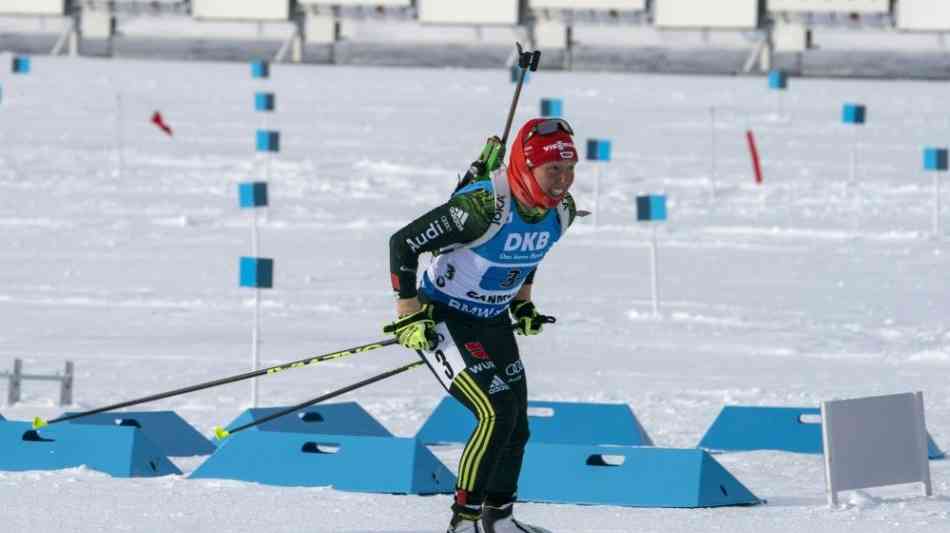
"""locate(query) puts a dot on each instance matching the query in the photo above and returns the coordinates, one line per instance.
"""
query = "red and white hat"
(539, 141)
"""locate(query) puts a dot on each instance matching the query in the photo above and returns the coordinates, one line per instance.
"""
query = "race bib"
(446, 359)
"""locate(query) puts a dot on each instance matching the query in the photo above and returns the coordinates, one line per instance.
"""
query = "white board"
(371, 3)
(620, 5)
(468, 12)
(241, 9)
(734, 14)
(829, 6)
(33, 7)
(923, 15)
(876, 441)
(96, 24)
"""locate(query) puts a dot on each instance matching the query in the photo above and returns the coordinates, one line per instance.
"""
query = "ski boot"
(465, 520)
(501, 520)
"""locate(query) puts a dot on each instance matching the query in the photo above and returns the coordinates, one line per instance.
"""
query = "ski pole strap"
(222, 433)
(39, 422)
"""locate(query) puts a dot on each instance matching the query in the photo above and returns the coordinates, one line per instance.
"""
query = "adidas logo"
(497, 385)
(459, 217)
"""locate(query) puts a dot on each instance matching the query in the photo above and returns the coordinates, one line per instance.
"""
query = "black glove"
(529, 321)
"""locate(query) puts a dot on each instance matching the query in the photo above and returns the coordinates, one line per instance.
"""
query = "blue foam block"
(264, 101)
(260, 69)
(169, 432)
(346, 418)
(361, 464)
(778, 79)
(935, 159)
(854, 114)
(747, 428)
(257, 272)
(252, 194)
(628, 476)
(551, 107)
(121, 451)
(651, 207)
(549, 422)
(1, 417)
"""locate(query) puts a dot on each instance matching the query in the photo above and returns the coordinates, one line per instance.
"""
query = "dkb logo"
(527, 242)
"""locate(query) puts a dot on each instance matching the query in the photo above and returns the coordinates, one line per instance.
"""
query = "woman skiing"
(488, 240)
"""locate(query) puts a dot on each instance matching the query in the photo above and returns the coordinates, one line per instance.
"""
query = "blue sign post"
(597, 150)
(856, 115)
(935, 160)
(778, 81)
(651, 208)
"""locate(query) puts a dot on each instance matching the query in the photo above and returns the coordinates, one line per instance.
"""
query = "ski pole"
(526, 61)
(220, 433)
(39, 422)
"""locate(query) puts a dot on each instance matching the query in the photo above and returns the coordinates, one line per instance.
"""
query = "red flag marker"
(160, 122)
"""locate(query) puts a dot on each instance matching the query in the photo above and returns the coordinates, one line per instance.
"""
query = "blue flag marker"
(935, 159)
(257, 272)
(268, 141)
(651, 208)
(252, 194)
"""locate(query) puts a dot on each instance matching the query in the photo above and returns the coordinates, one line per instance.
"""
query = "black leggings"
(494, 388)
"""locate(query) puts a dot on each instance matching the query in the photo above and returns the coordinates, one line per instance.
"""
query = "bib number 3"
(445, 360)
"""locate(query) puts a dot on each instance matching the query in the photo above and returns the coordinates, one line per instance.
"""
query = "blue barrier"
(264, 101)
(169, 432)
(268, 141)
(747, 428)
(260, 69)
(935, 159)
(854, 114)
(361, 464)
(627, 476)
(257, 272)
(598, 150)
(1, 417)
(549, 422)
(778, 80)
(551, 107)
(346, 418)
(651, 207)
(21, 65)
(120, 451)
(252, 194)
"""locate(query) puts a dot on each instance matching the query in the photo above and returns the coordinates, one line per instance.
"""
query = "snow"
(809, 287)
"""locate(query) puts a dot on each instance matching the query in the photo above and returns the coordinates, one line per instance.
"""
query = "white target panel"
(829, 6)
(33, 7)
(494, 12)
(241, 9)
(599, 5)
(923, 15)
(731, 14)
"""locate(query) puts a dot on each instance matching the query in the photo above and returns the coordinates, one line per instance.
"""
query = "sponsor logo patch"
(514, 368)
(497, 385)
(477, 350)
(527, 242)
(459, 217)
(481, 367)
